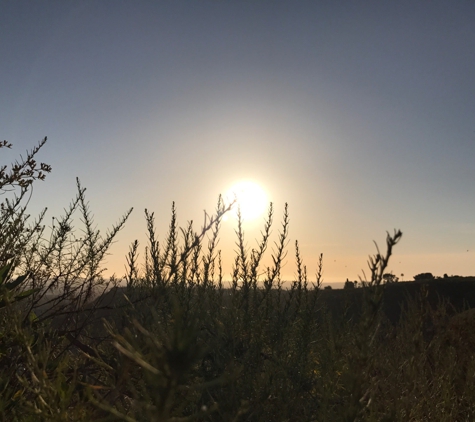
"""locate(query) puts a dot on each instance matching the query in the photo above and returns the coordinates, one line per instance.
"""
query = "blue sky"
(359, 115)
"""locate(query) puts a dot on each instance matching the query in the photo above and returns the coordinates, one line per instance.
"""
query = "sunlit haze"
(248, 200)
(359, 115)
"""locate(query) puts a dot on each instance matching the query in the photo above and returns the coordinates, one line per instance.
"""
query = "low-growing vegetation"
(174, 342)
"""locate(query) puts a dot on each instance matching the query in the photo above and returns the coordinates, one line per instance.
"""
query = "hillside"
(458, 291)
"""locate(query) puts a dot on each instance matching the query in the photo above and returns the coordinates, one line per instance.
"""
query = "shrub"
(423, 277)
(58, 276)
(172, 343)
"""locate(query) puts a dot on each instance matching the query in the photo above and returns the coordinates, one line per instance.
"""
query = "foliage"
(174, 343)
(7, 287)
(390, 278)
(58, 279)
(423, 277)
(17, 179)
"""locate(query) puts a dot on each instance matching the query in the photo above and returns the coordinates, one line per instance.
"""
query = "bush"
(423, 277)
(58, 278)
(172, 343)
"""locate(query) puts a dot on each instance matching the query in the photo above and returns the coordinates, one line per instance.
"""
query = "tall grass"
(172, 342)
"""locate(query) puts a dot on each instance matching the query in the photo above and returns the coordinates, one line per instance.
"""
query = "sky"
(359, 115)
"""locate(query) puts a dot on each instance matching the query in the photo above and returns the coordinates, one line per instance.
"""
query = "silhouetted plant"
(59, 282)
(423, 276)
(390, 278)
(170, 342)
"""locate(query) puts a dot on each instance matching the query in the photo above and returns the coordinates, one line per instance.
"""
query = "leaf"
(32, 317)
(4, 271)
(25, 294)
(11, 285)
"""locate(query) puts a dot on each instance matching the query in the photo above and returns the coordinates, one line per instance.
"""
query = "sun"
(250, 199)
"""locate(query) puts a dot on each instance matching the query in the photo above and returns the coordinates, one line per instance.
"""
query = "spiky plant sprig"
(15, 235)
(279, 252)
(23, 173)
(362, 389)
(257, 254)
(242, 266)
(210, 257)
(132, 256)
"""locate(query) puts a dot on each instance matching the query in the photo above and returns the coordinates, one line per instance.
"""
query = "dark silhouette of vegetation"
(423, 276)
(390, 278)
(349, 284)
(173, 343)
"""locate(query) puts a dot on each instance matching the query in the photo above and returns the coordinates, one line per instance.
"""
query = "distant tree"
(349, 284)
(423, 276)
(390, 278)
(328, 288)
(446, 276)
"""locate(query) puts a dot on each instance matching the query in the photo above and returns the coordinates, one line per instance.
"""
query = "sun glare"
(250, 199)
